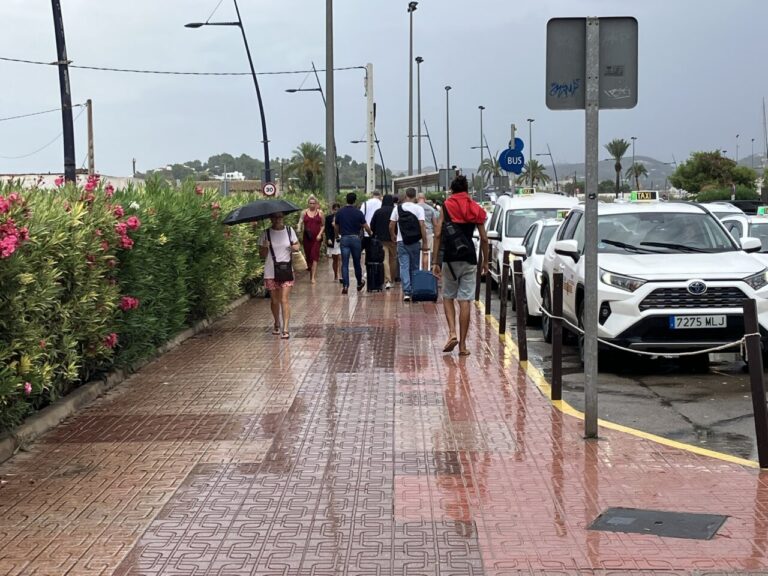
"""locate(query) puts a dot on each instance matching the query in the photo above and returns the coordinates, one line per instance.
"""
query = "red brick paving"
(355, 448)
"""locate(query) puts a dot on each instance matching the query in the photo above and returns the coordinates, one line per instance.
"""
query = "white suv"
(670, 278)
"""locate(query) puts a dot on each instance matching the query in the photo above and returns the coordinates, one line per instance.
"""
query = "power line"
(42, 147)
(36, 113)
(172, 72)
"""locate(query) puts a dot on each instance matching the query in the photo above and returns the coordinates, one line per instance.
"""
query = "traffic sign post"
(591, 64)
(269, 189)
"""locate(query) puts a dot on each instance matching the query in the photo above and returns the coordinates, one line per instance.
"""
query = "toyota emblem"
(697, 287)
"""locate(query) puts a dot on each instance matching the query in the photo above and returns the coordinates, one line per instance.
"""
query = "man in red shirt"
(454, 230)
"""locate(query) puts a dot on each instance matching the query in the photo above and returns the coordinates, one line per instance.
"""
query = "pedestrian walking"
(311, 230)
(332, 247)
(368, 208)
(456, 225)
(406, 227)
(380, 228)
(349, 224)
(430, 219)
(276, 245)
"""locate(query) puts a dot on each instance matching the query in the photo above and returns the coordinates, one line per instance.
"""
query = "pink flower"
(8, 245)
(215, 206)
(59, 181)
(109, 190)
(111, 340)
(89, 198)
(118, 211)
(98, 232)
(129, 303)
(4, 205)
(13, 197)
(27, 388)
(43, 343)
(133, 223)
(126, 242)
(198, 190)
(121, 228)
(90, 186)
(24, 234)
(104, 245)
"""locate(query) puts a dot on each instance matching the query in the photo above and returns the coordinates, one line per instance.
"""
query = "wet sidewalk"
(356, 447)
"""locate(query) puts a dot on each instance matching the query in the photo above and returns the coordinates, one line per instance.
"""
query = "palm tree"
(308, 163)
(534, 172)
(617, 148)
(635, 171)
(489, 169)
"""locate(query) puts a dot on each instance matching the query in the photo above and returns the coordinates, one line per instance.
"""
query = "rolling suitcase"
(424, 284)
(374, 272)
(375, 252)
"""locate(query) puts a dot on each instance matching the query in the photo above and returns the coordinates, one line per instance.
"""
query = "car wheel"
(546, 321)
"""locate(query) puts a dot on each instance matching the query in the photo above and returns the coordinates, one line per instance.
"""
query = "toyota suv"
(670, 277)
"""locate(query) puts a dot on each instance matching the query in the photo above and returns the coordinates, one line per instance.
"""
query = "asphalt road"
(708, 407)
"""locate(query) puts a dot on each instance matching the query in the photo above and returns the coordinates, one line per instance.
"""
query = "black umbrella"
(259, 210)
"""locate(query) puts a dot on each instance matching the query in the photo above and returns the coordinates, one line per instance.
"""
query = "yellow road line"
(541, 383)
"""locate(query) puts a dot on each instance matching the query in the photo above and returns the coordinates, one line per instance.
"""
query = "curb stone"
(50, 416)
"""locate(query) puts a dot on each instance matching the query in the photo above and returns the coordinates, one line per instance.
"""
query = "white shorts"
(335, 251)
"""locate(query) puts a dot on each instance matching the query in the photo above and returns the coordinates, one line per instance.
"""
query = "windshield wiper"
(681, 247)
(631, 247)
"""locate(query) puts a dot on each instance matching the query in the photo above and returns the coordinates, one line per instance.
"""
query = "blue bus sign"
(512, 159)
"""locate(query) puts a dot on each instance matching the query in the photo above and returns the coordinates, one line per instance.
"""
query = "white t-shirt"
(281, 244)
(368, 208)
(411, 207)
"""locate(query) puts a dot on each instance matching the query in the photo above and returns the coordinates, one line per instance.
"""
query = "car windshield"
(661, 233)
(546, 236)
(518, 221)
(760, 231)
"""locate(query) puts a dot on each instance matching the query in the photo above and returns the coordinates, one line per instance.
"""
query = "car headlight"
(757, 281)
(538, 276)
(627, 283)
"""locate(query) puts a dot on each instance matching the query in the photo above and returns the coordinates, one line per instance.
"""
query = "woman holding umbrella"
(276, 245)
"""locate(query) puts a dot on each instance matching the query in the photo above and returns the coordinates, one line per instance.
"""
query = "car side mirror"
(492, 235)
(751, 244)
(519, 251)
(568, 248)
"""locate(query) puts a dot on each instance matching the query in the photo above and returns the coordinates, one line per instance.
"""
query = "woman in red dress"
(311, 225)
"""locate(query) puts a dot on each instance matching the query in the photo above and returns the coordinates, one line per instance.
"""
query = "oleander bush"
(92, 278)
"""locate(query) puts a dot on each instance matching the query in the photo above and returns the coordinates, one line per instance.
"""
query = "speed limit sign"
(269, 189)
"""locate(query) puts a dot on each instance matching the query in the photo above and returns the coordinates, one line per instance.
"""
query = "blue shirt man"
(349, 222)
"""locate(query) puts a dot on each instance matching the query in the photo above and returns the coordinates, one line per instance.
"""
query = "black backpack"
(410, 230)
(456, 245)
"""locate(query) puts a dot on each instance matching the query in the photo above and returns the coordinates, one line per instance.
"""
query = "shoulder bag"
(283, 270)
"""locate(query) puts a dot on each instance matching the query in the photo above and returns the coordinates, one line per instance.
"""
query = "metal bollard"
(503, 293)
(557, 336)
(522, 337)
(755, 362)
(488, 290)
(478, 277)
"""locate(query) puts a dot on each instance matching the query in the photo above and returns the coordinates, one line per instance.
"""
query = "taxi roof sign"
(644, 196)
(762, 210)
(525, 191)
(561, 214)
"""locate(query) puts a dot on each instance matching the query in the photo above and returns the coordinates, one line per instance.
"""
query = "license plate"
(707, 321)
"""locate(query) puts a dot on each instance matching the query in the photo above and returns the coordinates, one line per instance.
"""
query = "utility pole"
(330, 136)
(91, 161)
(134, 168)
(371, 124)
(411, 10)
(68, 129)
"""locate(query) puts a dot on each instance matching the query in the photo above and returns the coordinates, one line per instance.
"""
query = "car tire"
(546, 321)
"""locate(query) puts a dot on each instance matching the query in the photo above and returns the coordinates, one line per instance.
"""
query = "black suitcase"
(374, 272)
(374, 253)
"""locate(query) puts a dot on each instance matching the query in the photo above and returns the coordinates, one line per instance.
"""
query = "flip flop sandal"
(464, 353)
(451, 344)
(285, 335)
(276, 331)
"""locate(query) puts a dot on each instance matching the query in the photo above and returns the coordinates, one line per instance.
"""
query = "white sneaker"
(388, 285)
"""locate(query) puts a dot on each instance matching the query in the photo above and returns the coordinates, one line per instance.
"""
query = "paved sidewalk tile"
(358, 448)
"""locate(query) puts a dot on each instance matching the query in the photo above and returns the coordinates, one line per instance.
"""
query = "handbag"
(283, 270)
(298, 260)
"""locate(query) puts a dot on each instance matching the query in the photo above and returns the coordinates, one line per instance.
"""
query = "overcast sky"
(702, 78)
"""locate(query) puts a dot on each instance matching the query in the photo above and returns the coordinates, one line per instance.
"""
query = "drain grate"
(659, 523)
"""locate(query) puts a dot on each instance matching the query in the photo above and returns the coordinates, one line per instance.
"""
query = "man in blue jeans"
(406, 227)
(349, 222)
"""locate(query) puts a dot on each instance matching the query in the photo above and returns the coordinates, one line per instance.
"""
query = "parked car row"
(672, 276)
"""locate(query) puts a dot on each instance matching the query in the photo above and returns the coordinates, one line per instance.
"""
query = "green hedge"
(724, 194)
(94, 278)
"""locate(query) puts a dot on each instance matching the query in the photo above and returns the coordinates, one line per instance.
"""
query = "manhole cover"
(659, 523)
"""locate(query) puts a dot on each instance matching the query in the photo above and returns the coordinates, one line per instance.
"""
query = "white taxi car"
(723, 209)
(670, 277)
(513, 215)
(743, 226)
(532, 249)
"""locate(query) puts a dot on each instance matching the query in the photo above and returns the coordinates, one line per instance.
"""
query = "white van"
(513, 215)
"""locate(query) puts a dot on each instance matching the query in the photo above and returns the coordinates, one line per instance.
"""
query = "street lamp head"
(481, 107)
(412, 6)
(529, 119)
(419, 59)
(291, 90)
(448, 88)
(194, 25)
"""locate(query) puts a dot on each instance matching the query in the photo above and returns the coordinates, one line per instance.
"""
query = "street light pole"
(554, 169)
(330, 136)
(481, 108)
(752, 156)
(530, 147)
(737, 148)
(239, 24)
(411, 10)
(419, 60)
(448, 134)
(68, 128)
(634, 170)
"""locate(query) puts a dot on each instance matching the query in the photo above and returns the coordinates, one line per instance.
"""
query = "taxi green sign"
(644, 196)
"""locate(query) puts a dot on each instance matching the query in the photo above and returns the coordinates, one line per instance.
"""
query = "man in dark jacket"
(459, 270)
(380, 227)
